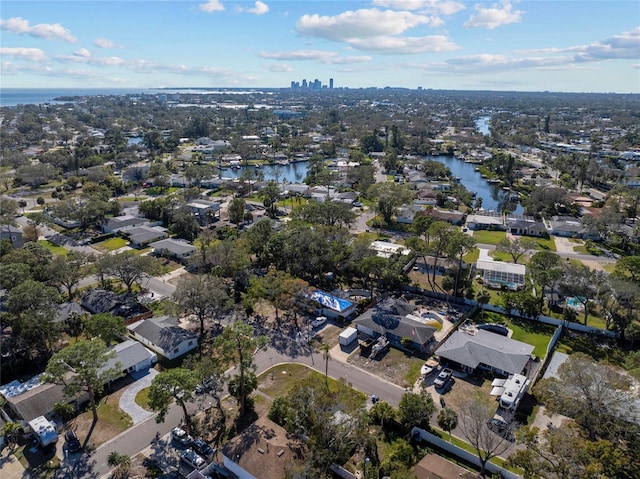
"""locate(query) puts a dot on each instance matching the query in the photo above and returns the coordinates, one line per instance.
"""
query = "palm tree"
(326, 355)
(121, 463)
(483, 298)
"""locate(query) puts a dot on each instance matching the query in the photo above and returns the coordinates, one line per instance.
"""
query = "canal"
(294, 172)
(493, 196)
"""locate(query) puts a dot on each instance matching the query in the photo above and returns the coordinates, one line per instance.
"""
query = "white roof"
(501, 267)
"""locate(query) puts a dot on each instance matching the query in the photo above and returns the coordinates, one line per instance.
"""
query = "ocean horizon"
(37, 96)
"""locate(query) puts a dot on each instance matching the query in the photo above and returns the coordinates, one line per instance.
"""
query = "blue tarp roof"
(331, 302)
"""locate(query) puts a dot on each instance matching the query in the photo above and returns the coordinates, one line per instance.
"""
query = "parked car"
(205, 385)
(202, 448)
(502, 429)
(72, 441)
(181, 437)
(190, 457)
(319, 321)
(442, 378)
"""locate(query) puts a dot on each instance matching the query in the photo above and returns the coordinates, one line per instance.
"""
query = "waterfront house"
(486, 220)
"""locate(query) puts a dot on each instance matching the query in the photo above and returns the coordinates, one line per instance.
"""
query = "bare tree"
(476, 413)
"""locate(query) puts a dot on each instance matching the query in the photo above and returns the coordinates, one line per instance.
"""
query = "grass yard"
(280, 380)
(111, 420)
(472, 256)
(55, 249)
(142, 399)
(112, 244)
(531, 332)
(489, 237)
(547, 244)
(395, 366)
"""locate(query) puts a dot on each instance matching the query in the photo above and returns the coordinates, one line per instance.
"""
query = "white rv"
(44, 431)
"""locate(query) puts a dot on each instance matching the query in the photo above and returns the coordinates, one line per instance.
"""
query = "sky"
(536, 45)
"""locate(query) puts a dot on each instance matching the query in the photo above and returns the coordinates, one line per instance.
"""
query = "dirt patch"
(394, 366)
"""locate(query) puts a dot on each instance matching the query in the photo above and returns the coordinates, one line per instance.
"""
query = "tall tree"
(415, 409)
(82, 367)
(109, 328)
(579, 282)
(66, 271)
(177, 384)
(236, 211)
(236, 344)
(128, 267)
(516, 247)
(205, 299)
(389, 197)
(545, 269)
(593, 394)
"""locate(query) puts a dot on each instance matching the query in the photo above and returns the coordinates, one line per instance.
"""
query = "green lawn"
(112, 244)
(548, 244)
(472, 256)
(55, 249)
(489, 237)
(142, 399)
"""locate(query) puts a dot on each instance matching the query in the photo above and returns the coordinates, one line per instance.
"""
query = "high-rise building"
(330, 83)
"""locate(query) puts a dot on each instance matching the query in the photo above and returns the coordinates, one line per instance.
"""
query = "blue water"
(37, 96)
(482, 125)
(291, 173)
(493, 196)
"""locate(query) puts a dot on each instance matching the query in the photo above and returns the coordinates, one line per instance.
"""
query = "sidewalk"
(128, 398)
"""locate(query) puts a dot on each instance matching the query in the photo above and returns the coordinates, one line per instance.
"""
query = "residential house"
(65, 310)
(386, 249)
(13, 234)
(471, 348)
(132, 356)
(118, 223)
(397, 320)
(33, 398)
(262, 450)
(570, 227)
(333, 306)
(98, 301)
(164, 336)
(175, 248)
(525, 225)
(453, 217)
(141, 236)
(486, 220)
(407, 213)
(205, 211)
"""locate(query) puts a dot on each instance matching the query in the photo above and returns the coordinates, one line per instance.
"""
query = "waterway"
(294, 172)
(493, 196)
(482, 125)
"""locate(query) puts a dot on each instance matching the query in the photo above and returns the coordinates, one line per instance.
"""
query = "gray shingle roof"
(129, 353)
(163, 332)
(499, 352)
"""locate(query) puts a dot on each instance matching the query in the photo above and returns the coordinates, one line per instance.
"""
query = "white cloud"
(313, 55)
(494, 16)
(83, 52)
(358, 24)
(438, 7)
(84, 56)
(405, 45)
(105, 43)
(279, 68)
(47, 31)
(212, 6)
(625, 46)
(31, 54)
(260, 8)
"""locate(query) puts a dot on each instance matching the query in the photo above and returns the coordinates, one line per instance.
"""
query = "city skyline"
(525, 46)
